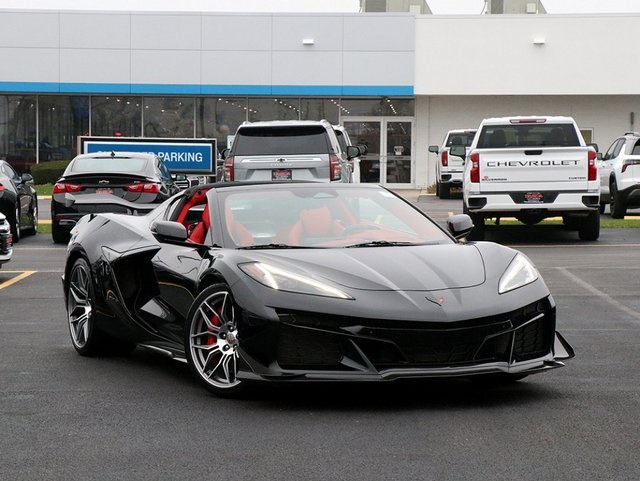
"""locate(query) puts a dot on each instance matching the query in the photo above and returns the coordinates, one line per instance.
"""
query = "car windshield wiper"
(275, 246)
(383, 243)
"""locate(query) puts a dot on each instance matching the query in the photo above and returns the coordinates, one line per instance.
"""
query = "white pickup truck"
(531, 168)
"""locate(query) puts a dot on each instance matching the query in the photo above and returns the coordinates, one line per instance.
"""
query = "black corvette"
(306, 281)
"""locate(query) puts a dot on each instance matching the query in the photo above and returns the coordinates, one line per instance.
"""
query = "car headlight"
(283, 280)
(519, 273)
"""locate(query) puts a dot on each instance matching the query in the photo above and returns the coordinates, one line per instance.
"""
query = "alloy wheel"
(79, 308)
(213, 341)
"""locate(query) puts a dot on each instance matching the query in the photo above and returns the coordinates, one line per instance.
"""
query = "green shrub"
(48, 172)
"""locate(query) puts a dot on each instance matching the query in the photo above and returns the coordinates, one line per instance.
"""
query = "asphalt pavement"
(143, 417)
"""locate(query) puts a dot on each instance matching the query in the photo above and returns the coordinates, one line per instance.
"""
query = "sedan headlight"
(283, 280)
(519, 273)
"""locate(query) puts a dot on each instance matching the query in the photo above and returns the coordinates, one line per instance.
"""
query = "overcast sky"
(437, 6)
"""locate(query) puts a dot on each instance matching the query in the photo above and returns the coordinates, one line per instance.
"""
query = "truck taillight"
(445, 158)
(593, 168)
(334, 165)
(228, 169)
(474, 158)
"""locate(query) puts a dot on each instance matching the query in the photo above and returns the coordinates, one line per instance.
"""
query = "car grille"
(312, 341)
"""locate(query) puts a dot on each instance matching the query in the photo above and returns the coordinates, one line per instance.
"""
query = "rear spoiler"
(108, 199)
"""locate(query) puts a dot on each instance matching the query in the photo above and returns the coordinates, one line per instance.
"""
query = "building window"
(317, 109)
(61, 120)
(383, 106)
(274, 108)
(219, 117)
(18, 128)
(169, 117)
(116, 116)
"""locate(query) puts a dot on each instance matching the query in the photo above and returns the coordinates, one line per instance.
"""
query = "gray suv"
(288, 150)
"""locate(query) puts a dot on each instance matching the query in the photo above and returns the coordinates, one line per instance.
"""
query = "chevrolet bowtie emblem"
(436, 300)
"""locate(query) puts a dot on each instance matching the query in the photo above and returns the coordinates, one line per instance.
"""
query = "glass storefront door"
(388, 160)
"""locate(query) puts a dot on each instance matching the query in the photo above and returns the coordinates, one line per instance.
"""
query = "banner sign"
(189, 156)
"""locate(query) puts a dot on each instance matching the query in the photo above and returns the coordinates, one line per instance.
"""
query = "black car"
(98, 182)
(18, 201)
(294, 281)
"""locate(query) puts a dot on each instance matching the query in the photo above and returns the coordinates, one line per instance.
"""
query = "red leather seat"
(199, 233)
(314, 225)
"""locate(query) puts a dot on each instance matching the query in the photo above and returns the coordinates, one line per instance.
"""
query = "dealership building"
(397, 80)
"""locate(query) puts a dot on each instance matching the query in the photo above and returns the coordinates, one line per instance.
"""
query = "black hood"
(398, 268)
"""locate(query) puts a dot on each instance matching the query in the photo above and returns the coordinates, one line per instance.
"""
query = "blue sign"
(178, 156)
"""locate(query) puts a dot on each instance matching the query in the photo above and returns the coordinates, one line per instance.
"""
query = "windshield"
(528, 135)
(287, 140)
(461, 138)
(324, 217)
(108, 164)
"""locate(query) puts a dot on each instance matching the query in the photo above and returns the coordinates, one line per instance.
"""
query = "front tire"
(445, 191)
(212, 343)
(479, 231)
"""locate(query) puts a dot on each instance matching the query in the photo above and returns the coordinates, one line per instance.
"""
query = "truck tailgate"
(558, 168)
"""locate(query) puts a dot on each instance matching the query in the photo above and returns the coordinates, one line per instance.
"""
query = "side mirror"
(459, 225)
(434, 148)
(458, 151)
(599, 156)
(169, 230)
(352, 151)
(225, 153)
(363, 149)
(26, 178)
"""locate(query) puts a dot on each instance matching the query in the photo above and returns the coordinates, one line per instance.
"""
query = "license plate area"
(104, 191)
(533, 198)
(281, 174)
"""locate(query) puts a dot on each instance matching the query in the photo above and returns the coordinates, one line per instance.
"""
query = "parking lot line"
(601, 295)
(17, 278)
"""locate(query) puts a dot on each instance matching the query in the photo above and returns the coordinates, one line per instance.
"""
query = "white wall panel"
(236, 32)
(378, 68)
(307, 68)
(29, 65)
(100, 30)
(325, 30)
(496, 55)
(26, 29)
(379, 32)
(175, 66)
(95, 66)
(236, 68)
(168, 31)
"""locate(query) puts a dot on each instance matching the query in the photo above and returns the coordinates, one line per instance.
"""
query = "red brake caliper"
(215, 320)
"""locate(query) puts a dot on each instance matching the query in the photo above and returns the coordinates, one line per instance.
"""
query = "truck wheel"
(616, 205)
(478, 231)
(438, 189)
(445, 191)
(590, 227)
